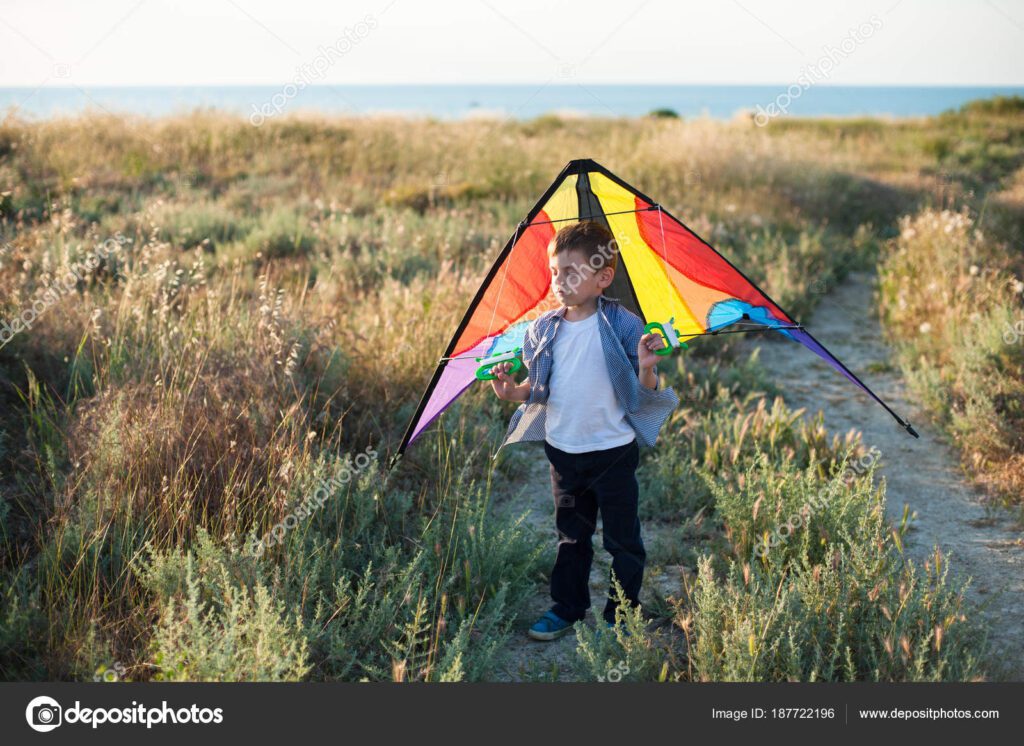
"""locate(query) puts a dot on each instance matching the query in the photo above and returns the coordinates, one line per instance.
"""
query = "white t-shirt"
(583, 413)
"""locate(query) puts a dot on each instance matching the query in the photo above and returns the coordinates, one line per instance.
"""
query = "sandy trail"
(923, 473)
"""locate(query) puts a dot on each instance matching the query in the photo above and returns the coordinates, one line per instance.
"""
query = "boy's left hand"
(645, 349)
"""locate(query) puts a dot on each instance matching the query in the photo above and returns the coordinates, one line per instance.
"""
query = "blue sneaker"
(549, 627)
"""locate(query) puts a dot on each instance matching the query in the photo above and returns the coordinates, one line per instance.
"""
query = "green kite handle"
(672, 341)
(483, 373)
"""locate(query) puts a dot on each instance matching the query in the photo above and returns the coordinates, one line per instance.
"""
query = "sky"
(269, 42)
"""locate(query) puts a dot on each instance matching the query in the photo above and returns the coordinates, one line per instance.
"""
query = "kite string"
(664, 259)
(738, 330)
(501, 287)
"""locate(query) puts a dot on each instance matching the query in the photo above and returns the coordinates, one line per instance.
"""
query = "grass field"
(194, 429)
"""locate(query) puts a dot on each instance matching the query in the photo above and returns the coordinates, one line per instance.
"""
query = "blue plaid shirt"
(646, 409)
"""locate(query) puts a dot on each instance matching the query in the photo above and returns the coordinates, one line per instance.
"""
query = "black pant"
(584, 483)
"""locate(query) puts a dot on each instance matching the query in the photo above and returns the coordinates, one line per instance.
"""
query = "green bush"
(283, 233)
(236, 635)
(865, 614)
(630, 651)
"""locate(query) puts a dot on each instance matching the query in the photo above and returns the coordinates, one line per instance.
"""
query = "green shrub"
(23, 629)
(236, 635)
(725, 422)
(780, 513)
(208, 223)
(630, 651)
(283, 233)
(865, 614)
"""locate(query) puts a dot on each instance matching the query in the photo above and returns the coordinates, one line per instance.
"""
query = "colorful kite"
(666, 271)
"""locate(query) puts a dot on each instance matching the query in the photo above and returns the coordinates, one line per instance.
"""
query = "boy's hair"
(591, 239)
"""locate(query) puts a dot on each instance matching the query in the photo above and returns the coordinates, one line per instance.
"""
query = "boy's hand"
(504, 385)
(645, 349)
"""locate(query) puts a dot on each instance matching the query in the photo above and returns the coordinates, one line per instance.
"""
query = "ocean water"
(516, 101)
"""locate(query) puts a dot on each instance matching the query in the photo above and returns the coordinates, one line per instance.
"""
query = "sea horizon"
(518, 100)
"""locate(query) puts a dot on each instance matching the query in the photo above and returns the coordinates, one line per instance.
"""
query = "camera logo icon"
(43, 714)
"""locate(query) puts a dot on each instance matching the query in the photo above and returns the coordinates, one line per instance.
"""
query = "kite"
(668, 276)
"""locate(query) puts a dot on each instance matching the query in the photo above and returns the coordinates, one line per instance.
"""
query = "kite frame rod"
(758, 328)
(527, 224)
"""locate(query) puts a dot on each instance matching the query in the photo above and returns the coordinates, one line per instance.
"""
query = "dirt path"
(922, 473)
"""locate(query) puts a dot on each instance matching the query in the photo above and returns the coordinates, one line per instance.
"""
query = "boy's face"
(574, 281)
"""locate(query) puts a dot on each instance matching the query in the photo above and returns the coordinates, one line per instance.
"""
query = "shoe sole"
(549, 636)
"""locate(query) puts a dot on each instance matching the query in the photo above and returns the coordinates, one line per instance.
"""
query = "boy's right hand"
(504, 384)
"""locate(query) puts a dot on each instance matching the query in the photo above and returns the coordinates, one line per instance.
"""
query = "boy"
(591, 394)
